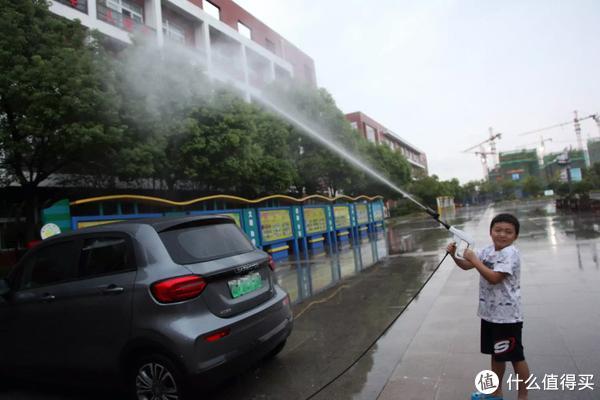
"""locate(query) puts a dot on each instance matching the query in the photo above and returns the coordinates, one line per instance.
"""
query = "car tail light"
(178, 289)
(31, 244)
(213, 337)
(271, 263)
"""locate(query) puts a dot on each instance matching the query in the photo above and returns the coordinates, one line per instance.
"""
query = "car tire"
(273, 353)
(156, 375)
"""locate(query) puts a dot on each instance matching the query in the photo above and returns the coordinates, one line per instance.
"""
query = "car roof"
(165, 223)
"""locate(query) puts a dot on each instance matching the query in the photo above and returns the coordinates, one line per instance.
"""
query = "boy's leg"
(522, 370)
(498, 367)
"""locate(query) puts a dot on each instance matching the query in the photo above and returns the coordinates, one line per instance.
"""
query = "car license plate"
(244, 285)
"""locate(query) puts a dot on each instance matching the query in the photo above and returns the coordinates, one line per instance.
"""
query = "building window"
(244, 30)
(354, 125)
(370, 133)
(127, 9)
(173, 31)
(270, 45)
(212, 10)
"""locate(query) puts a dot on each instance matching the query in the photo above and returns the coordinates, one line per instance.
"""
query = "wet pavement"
(344, 303)
(432, 352)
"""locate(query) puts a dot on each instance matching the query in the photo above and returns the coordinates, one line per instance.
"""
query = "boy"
(499, 266)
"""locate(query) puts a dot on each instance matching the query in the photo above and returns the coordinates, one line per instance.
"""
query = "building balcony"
(228, 65)
(81, 5)
(120, 20)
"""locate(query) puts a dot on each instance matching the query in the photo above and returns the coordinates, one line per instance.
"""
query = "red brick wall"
(362, 119)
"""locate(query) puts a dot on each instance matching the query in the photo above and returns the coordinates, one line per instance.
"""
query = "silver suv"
(162, 303)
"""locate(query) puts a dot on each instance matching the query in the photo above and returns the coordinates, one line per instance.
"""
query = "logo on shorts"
(504, 345)
(487, 382)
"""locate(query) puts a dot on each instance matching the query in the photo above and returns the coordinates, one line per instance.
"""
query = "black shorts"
(503, 341)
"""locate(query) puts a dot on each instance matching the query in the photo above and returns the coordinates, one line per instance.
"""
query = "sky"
(439, 74)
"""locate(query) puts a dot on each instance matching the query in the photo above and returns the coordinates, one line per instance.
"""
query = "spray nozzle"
(436, 216)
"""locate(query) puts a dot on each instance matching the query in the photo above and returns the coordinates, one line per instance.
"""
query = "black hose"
(361, 355)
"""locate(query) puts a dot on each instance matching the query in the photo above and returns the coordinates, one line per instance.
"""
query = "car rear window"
(206, 242)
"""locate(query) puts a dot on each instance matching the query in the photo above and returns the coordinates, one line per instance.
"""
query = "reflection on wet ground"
(340, 320)
(305, 275)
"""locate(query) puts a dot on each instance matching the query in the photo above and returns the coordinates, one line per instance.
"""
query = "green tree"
(532, 186)
(472, 192)
(319, 168)
(427, 189)
(57, 107)
(508, 188)
(592, 175)
(156, 109)
(390, 164)
(233, 146)
(453, 189)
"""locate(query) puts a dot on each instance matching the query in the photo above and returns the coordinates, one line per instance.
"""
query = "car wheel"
(156, 377)
(276, 350)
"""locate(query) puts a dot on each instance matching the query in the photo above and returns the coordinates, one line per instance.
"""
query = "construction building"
(375, 132)
(232, 45)
(593, 146)
(556, 165)
(516, 165)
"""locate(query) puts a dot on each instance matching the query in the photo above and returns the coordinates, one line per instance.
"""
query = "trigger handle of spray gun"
(463, 242)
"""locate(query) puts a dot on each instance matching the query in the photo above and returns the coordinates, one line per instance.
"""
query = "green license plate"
(244, 285)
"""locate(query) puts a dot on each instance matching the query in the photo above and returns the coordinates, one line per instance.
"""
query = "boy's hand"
(451, 248)
(470, 255)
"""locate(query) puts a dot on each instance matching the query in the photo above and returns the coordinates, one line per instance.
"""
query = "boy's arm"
(462, 263)
(488, 274)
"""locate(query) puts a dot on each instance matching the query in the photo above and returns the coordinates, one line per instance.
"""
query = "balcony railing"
(81, 5)
(119, 20)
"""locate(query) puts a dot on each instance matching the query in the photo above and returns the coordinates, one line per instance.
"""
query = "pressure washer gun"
(462, 240)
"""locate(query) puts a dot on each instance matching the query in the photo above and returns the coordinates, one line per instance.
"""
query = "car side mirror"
(4, 287)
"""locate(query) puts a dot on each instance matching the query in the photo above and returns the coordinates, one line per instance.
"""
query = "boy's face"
(503, 235)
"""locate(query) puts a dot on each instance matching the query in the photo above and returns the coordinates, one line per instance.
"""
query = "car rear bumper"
(249, 340)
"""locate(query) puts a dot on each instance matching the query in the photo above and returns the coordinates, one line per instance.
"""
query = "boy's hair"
(508, 218)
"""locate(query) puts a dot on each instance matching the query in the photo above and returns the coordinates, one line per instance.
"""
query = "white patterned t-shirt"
(501, 303)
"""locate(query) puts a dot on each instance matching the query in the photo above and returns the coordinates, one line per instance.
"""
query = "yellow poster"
(377, 212)
(235, 216)
(362, 214)
(342, 216)
(315, 220)
(87, 224)
(275, 225)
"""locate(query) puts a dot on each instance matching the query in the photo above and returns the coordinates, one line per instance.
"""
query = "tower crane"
(576, 123)
(482, 153)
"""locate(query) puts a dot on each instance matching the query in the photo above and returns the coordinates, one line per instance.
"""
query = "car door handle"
(113, 289)
(47, 297)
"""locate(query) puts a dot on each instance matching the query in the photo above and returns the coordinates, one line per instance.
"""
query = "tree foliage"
(72, 108)
(57, 104)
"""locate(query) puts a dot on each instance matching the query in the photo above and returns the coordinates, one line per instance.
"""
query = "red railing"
(117, 19)
(80, 5)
